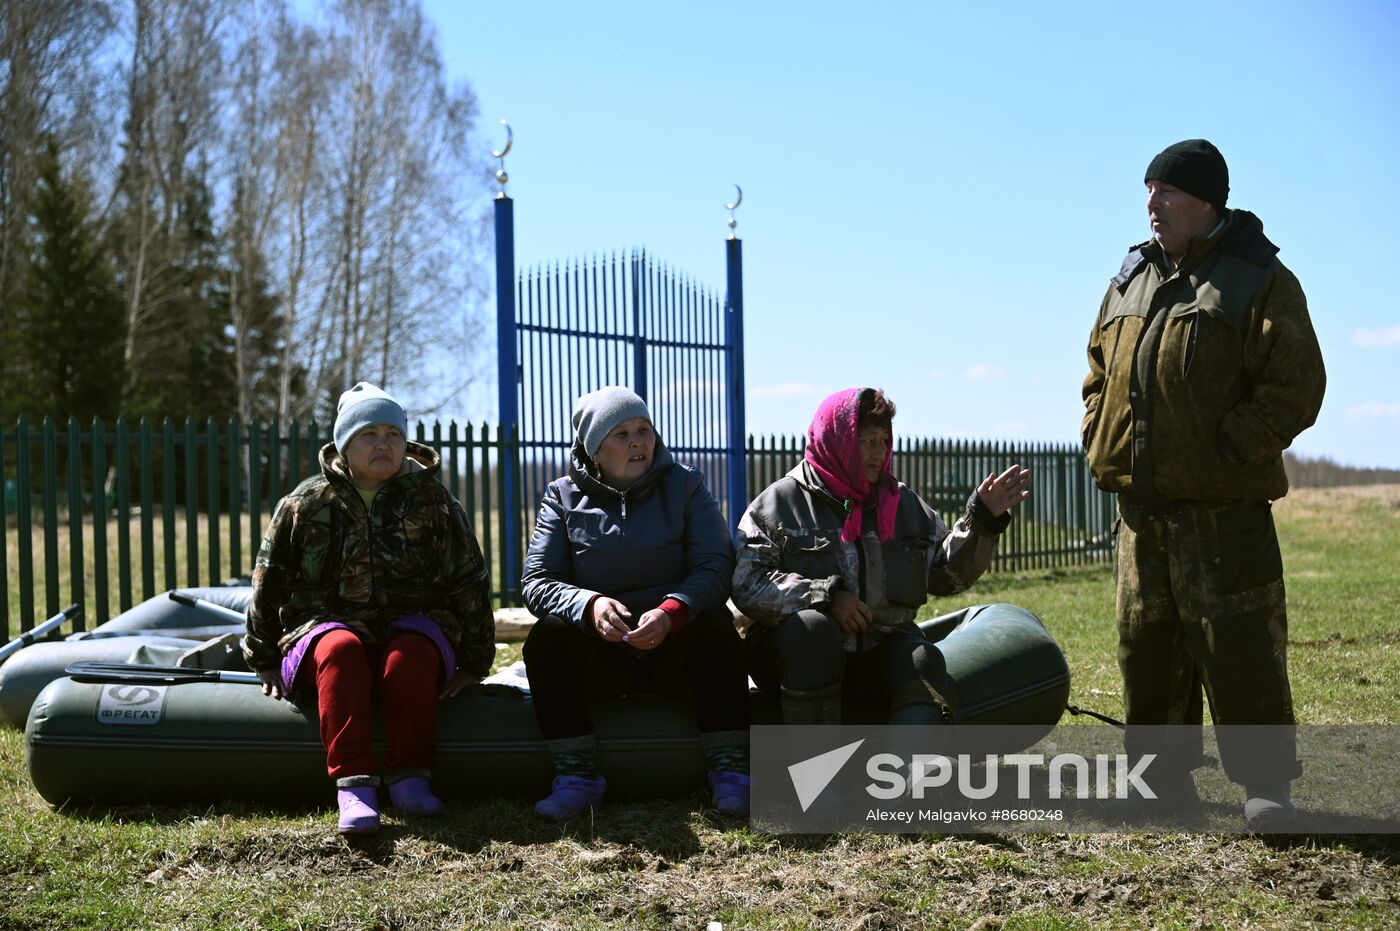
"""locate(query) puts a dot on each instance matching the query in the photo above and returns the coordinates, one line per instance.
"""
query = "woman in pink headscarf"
(836, 558)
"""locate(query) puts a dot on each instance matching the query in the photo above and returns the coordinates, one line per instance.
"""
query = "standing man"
(1203, 367)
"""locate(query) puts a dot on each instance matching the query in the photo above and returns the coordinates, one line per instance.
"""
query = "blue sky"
(935, 195)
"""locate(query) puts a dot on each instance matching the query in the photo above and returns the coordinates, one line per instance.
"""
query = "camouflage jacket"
(1200, 377)
(791, 556)
(325, 556)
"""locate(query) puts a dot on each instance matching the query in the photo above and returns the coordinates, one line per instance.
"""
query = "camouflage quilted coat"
(326, 556)
(1200, 376)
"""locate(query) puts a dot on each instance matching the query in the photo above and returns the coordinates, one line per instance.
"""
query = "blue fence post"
(507, 387)
(639, 335)
(734, 376)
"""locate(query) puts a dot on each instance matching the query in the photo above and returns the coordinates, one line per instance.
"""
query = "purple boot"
(359, 809)
(413, 796)
(572, 796)
(731, 792)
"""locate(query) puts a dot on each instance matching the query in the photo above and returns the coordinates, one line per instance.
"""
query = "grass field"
(668, 864)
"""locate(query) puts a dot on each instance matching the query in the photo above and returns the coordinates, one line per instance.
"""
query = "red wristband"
(678, 612)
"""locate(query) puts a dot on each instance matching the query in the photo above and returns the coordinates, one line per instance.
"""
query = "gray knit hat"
(597, 413)
(364, 406)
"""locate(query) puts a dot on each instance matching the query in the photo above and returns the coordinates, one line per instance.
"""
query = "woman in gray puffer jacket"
(628, 573)
(837, 557)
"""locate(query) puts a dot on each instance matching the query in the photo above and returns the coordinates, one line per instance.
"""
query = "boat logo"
(141, 705)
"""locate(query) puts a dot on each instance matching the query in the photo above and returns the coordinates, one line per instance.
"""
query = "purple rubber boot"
(359, 809)
(731, 792)
(572, 796)
(412, 795)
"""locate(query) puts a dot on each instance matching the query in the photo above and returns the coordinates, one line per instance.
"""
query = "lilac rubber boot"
(572, 796)
(359, 809)
(413, 795)
(731, 792)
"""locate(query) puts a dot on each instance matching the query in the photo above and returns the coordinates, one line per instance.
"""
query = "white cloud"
(1373, 409)
(984, 373)
(1377, 339)
(788, 389)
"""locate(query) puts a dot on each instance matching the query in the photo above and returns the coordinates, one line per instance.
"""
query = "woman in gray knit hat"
(628, 574)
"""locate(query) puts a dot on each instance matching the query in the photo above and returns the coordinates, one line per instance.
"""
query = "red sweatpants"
(404, 672)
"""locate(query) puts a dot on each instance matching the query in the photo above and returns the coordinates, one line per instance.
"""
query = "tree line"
(230, 208)
(1322, 472)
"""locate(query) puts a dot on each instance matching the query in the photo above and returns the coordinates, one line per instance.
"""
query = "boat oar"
(228, 614)
(73, 611)
(180, 633)
(95, 671)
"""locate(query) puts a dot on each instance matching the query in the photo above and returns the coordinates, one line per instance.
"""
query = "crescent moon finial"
(501, 175)
(510, 141)
(732, 207)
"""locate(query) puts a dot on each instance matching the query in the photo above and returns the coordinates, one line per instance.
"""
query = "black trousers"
(804, 653)
(569, 666)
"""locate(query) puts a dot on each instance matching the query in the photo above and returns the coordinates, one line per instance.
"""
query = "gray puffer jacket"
(791, 555)
(664, 537)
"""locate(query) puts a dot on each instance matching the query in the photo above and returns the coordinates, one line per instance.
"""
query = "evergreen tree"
(207, 375)
(185, 367)
(70, 324)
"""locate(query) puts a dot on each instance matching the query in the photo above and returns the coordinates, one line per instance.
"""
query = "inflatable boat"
(133, 740)
(159, 621)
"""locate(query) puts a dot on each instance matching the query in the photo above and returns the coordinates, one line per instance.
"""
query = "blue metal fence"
(568, 328)
(621, 320)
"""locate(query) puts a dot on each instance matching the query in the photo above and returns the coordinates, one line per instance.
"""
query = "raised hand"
(1001, 493)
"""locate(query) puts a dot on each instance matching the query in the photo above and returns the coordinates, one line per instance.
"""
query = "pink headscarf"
(834, 453)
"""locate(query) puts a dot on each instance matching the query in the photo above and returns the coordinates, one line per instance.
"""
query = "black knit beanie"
(1195, 166)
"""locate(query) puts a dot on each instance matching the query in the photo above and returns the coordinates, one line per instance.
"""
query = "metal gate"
(572, 327)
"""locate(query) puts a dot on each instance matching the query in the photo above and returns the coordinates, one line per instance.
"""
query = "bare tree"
(298, 201)
(299, 114)
(253, 148)
(174, 85)
(406, 189)
(49, 90)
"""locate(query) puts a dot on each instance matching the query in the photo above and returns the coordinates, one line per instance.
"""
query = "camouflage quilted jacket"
(791, 555)
(325, 556)
(1200, 376)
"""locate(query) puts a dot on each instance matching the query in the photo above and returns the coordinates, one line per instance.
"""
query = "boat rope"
(1076, 710)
